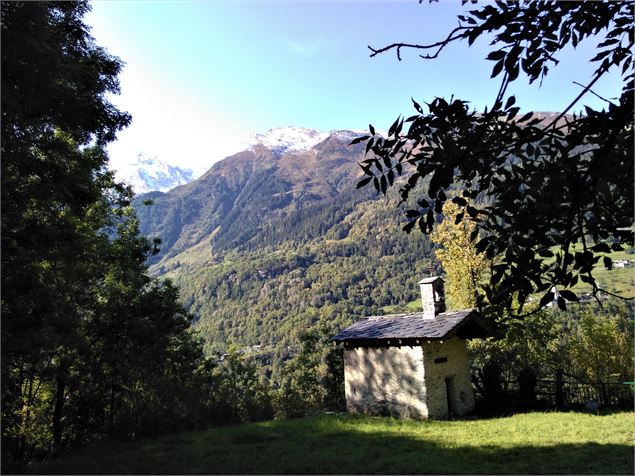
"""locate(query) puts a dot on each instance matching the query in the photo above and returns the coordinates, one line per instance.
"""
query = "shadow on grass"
(319, 447)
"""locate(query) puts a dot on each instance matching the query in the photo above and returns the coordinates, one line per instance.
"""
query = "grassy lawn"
(532, 443)
(620, 281)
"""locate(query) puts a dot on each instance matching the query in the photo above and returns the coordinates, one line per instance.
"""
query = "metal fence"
(573, 394)
(559, 393)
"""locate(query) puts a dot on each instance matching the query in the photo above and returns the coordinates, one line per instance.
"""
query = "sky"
(202, 77)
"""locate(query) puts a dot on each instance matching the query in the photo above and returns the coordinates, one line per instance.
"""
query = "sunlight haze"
(201, 78)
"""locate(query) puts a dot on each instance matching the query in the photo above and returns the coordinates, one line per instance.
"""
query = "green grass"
(412, 306)
(532, 443)
(620, 281)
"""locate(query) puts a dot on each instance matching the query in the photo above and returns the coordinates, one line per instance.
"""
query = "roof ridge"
(406, 326)
(417, 314)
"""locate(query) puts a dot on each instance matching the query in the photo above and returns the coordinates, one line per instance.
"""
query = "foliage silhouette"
(549, 183)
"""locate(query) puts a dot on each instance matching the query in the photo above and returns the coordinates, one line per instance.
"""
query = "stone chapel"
(411, 365)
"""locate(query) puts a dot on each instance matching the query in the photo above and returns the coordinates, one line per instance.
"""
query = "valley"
(275, 239)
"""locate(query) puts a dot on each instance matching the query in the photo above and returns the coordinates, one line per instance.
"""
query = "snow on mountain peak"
(151, 174)
(348, 134)
(285, 139)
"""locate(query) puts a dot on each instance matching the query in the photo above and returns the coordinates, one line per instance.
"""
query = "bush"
(587, 344)
(314, 379)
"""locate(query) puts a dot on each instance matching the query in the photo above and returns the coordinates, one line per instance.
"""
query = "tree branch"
(592, 92)
(598, 75)
(439, 44)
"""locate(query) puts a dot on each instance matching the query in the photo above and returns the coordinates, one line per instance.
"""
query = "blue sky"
(200, 77)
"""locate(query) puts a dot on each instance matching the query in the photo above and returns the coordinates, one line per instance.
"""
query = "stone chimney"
(432, 297)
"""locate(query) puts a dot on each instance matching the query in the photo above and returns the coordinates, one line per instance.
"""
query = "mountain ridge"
(269, 242)
(276, 178)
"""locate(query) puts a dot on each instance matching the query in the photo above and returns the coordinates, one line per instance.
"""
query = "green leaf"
(569, 295)
(409, 226)
(601, 248)
(460, 201)
(498, 67)
(369, 144)
(513, 72)
(561, 303)
(371, 129)
(546, 299)
(363, 182)
(526, 117)
(586, 279)
(358, 140)
(393, 128)
(422, 224)
(496, 55)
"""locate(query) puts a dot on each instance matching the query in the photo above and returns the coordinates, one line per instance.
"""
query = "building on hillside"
(622, 263)
(411, 365)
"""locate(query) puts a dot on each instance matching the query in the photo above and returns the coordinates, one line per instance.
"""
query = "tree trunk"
(58, 410)
(111, 415)
(25, 414)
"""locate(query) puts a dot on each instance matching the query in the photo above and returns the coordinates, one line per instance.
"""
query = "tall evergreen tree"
(91, 347)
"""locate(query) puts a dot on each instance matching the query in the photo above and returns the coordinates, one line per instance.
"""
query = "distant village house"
(622, 263)
(411, 365)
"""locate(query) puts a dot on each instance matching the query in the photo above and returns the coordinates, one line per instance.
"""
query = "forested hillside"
(275, 239)
(261, 249)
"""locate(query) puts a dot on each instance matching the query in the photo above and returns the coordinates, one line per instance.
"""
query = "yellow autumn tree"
(601, 348)
(463, 266)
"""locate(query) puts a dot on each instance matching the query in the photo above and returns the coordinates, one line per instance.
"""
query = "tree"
(559, 192)
(56, 194)
(81, 319)
(241, 395)
(312, 380)
(463, 266)
(601, 346)
(588, 343)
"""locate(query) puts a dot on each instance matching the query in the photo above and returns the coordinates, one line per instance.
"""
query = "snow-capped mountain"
(289, 139)
(151, 174)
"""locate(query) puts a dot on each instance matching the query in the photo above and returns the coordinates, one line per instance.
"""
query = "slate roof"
(407, 326)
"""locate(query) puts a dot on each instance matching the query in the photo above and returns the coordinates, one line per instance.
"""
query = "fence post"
(559, 389)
